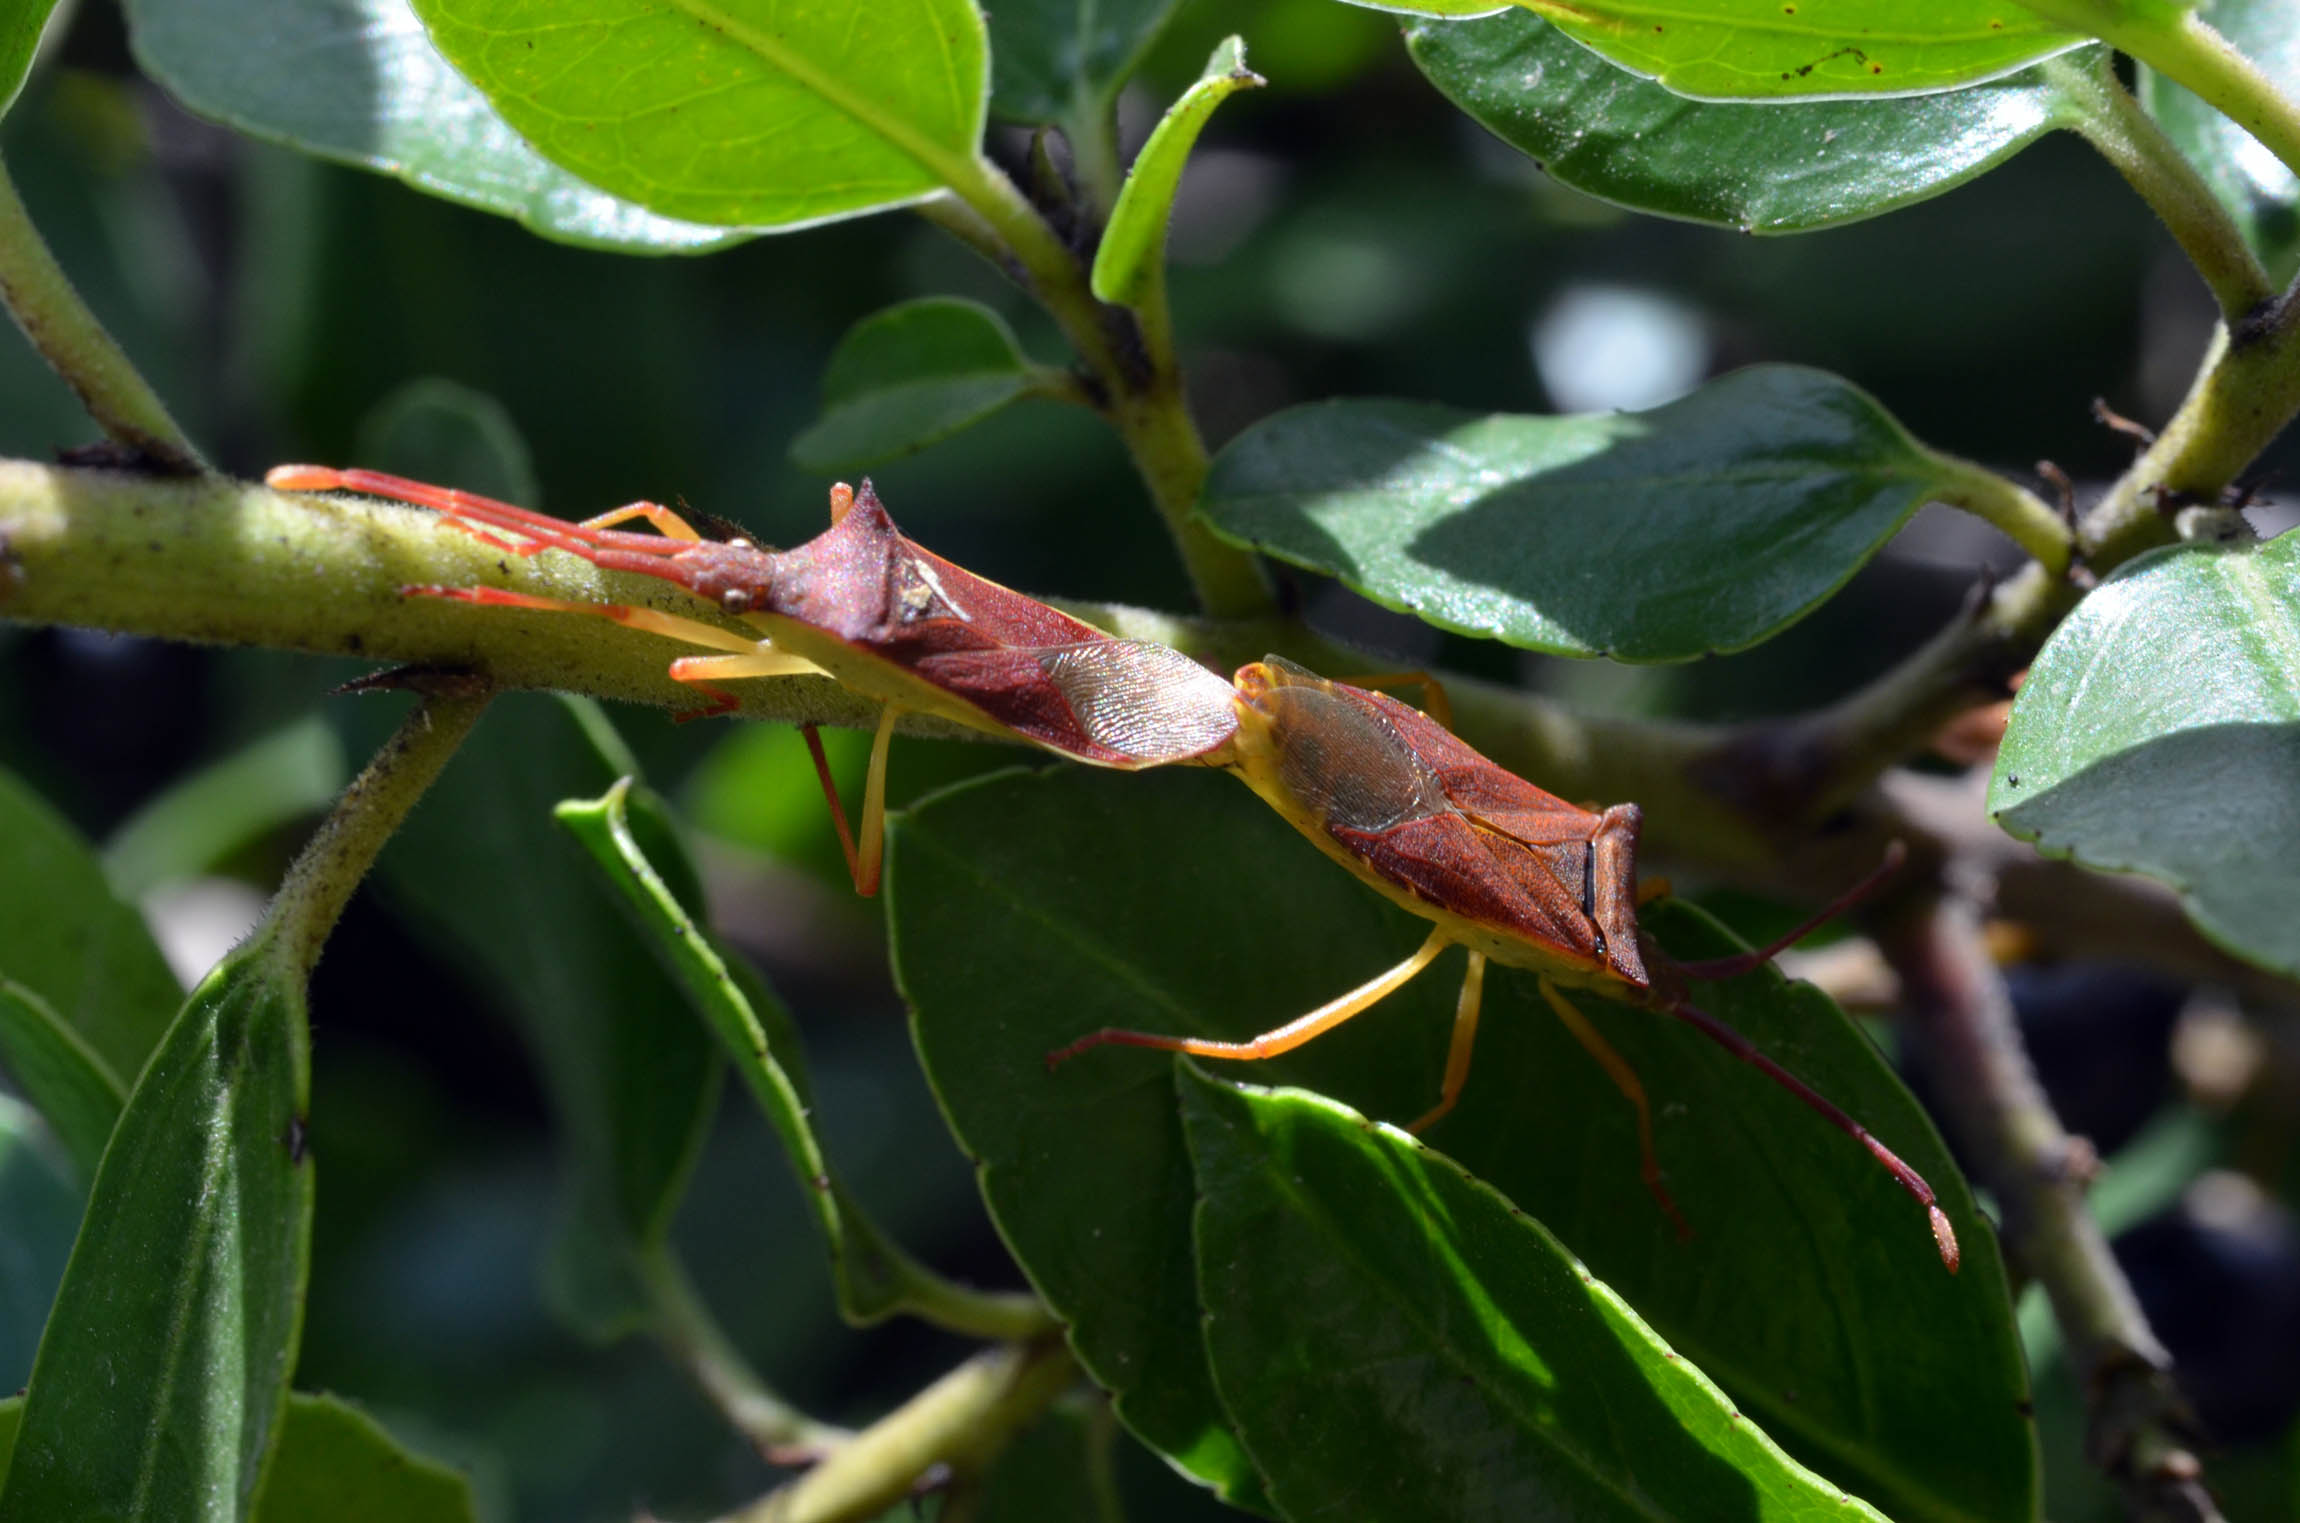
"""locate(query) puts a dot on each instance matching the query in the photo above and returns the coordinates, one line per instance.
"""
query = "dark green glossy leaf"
(910, 375)
(1758, 168)
(59, 1073)
(359, 82)
(1057, 60)
(2159, 732)
(1130, 262)
(769, 117)
(1704, 525)
(161, 1376)
(629, 838)
(1769, 50)
(336, 1464)
(41, 1196)
(1031, 908)
(1395, 1340)
(296, 770)
(631, 1078)
(20, 27)
(2256, 187)
(65, 937)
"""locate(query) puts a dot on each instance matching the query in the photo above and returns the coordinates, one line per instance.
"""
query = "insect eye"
(735, 600)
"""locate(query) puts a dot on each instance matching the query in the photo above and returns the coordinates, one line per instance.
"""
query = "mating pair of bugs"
(1501, 868)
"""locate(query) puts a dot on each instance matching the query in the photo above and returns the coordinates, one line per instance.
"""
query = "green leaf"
(1704, 525)
(1397, 1341)
(2159, 733)
(2256, 187)
(1771, 50)
(41, 1197)
(484, 868)
(627, 834)
(64, 936)
(1056, 60)
(161, 1376)
(20, 27)
(336, 1464)
(1175, 902)
(910, 375)
(296, 770)
(59, 1073)
(1130, 263)
(1755, 168)
(772, 116)
(1058, 1468)
(358, 81)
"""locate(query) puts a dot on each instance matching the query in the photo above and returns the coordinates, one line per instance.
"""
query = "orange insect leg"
(1270, 1043)
(654, 621)
(1624, 1079)
(1464, 1038)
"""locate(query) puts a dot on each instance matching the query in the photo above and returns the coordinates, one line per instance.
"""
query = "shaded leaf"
(75, 1093)
(160, 1378)
(1770, 168)
(20, 27)
(2259, 191)
(1767, 50)
(41, 1195)
(1058, 1468)
(910, 375)
(785, 115)
(336, 1464)
(629, 837)
(65, 937)
(1704, 525)
(1052, 60)
(1031, 908)
(1396, 1340)
(2159, 732)
(359, 82)
(632, 1080)
(188, 830)
(1130, 262)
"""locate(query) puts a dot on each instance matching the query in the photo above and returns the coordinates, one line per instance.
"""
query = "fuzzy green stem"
(2129, 138)
(2183, 47)
(2020, 515)
(957, 1425)
(320, 881)
(687, 1330)
(40, 296)
(1145, 400)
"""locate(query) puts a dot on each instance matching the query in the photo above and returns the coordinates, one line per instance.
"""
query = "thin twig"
(1960, 1023)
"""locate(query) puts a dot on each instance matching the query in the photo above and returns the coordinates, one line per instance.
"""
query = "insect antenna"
(1711, 970)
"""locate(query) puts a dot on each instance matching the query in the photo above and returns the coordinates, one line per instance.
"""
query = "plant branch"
(688, 1332)
(2129, 138)
(2183, 47)
(2020, 515)
(1960, 1021)
(40, 296)
(320, 881)
(1141, 385)
(953, 1429)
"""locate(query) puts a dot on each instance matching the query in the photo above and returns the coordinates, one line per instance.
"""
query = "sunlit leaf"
(1395, 1340)
(776, 114)
(2159, 732)
(160, 1379)
(1031, 908)
(1704, 525)
(359, 82)
(20, 27)
(1780, 49)
(1771, 168)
